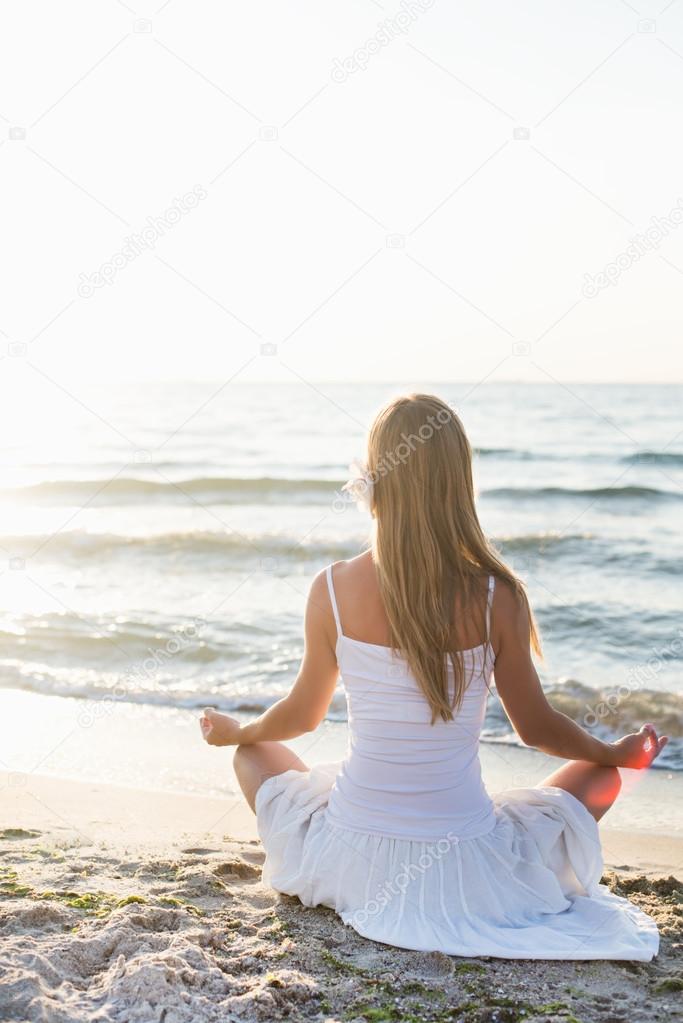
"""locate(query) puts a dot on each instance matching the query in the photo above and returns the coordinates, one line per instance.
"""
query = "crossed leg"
(597, 787)
(261, 760)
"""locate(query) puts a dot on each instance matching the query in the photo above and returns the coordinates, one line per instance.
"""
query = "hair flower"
(360, 487)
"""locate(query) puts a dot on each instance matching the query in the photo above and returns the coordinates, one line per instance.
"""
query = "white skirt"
(528, 889)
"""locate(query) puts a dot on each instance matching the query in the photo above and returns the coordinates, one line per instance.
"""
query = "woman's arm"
(535, 721)
(306, 704)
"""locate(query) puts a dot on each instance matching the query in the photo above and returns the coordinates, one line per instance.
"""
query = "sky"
(354, 191)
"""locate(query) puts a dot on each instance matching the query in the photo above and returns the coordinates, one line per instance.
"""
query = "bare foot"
(219, 729)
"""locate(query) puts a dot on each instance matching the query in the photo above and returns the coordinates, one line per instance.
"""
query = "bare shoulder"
(506, 598)
(344, 574)
(354, 568)
(319, 593)
(320, 621)
(510, 612)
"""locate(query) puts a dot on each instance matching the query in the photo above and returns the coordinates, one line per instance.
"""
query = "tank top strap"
(333, 600)
(489, 603)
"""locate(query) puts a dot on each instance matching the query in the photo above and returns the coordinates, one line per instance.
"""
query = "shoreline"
(159, 749)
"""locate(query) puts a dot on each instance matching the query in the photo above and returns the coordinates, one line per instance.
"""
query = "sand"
(131, 906)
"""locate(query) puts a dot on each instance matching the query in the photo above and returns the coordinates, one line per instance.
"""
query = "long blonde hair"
(428, 545)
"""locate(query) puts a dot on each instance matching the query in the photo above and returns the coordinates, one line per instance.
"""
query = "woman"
(401, 838)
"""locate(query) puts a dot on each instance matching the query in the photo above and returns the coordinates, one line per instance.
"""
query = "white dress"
(403, 841)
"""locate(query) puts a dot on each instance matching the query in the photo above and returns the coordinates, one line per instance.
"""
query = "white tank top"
(404, 777)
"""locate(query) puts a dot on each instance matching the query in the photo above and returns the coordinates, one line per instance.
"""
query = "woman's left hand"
(219, 729)
(639, 749)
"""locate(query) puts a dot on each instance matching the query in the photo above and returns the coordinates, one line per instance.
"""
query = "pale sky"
(429, 210)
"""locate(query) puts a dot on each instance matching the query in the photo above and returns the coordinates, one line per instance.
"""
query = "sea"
(159, 540)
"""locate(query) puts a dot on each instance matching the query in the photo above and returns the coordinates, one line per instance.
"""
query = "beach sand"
(134, 906)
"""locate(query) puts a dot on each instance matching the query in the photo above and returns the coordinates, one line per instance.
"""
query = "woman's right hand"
(219, 729)
(639, 749)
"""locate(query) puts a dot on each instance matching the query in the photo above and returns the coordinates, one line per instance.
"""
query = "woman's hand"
(639, 749)
(219, 729)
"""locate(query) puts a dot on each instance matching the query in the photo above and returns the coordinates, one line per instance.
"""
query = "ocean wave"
(588, 549)
(82, 544)
(219, 489)
(541, 543)
(514, 454)
(654, 458)
(239, 664)
(611, 493)
(73, 643)
(197, 550)
(269, 490)
(610, 627)
(109, 690)
(608, 713)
